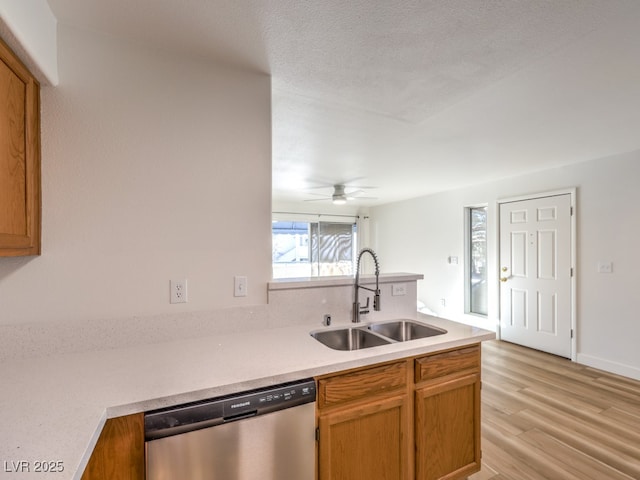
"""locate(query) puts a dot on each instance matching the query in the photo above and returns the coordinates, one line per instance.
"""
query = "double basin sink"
(375, 334)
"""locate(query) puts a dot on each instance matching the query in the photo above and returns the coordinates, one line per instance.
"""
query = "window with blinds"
(313, 249)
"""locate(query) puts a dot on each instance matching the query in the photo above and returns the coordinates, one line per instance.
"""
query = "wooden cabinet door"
(119, 453)
(365, 442)
(447, 429)
(19, 158)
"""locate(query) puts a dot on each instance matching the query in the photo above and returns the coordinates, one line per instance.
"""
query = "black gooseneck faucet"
(376, 293)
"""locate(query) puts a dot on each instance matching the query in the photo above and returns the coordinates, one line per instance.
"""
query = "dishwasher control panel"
(272, 399)
(215, 411)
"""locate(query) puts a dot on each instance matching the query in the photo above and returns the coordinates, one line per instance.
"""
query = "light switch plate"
(239, 286)
(605, 267)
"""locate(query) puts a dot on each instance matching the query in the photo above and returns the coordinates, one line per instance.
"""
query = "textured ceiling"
(412, 97)
(410, 60)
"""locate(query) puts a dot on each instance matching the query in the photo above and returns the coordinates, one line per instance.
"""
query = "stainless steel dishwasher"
(263, 434)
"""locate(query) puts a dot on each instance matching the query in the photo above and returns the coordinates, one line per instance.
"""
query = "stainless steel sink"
(349, 338)
(405, 330)
(376, 334)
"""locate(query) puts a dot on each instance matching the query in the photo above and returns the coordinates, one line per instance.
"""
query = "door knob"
(503, 279)
(504, 269)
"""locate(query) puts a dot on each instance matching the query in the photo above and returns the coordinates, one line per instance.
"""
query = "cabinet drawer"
(361, 384)
(447, 363)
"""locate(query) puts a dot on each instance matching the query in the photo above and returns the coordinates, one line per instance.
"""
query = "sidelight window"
(476, 266)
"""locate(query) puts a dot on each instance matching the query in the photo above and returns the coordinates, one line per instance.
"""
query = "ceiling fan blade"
(361, 198)
(324, 183)
(340, 195)
(351, 181)
(357, 194)
(318, 199)
(359, 187)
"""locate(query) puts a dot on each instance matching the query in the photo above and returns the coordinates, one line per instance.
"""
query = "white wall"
(29, 28)
(419, 235)
(153, 167)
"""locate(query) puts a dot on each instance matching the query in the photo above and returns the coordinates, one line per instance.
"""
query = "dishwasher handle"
(240, 416)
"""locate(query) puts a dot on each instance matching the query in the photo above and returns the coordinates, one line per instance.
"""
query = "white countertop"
(53, 408)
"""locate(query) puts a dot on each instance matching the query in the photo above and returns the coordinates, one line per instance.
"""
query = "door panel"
(365, 442)
(535, 262)
(448, 436)
(546, 254)
(519, 254)
(547, 313)
(519, 308)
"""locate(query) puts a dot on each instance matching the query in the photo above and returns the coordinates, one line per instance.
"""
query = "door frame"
(552, 193)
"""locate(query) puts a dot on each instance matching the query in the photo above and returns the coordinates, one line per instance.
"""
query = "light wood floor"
(544, 417)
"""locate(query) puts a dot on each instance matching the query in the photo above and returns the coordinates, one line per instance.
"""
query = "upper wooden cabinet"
(19, 157)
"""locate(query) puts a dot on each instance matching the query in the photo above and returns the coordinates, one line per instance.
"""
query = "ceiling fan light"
(339, 201)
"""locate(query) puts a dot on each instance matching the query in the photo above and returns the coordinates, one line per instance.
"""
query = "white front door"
(535, 273)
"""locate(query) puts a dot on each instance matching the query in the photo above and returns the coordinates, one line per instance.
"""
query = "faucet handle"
(365, 308)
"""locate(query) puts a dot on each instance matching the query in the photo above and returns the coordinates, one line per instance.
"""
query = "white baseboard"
(609, 366)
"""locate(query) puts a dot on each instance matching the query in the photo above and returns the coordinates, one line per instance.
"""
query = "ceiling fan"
(340, 196)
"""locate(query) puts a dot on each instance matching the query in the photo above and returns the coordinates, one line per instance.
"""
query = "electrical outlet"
(178, 291)
(443, 302)
(239, 286)
(398, 289)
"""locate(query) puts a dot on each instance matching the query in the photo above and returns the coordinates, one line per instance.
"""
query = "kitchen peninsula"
(54, 407)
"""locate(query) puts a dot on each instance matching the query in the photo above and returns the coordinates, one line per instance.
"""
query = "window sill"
(339, 281)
